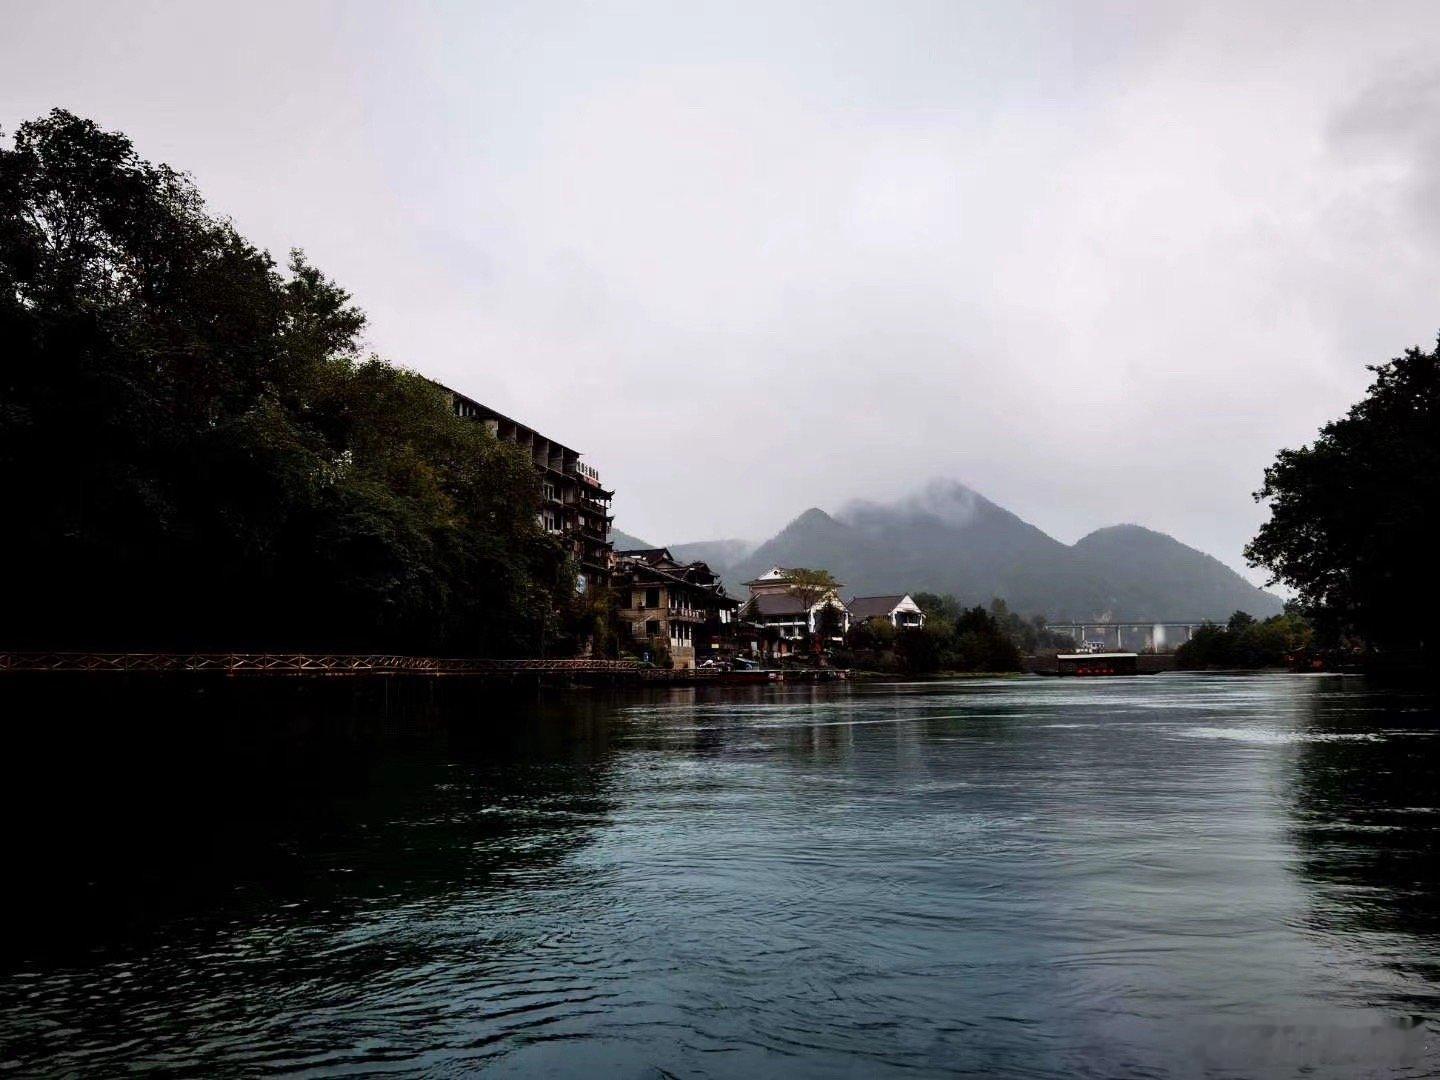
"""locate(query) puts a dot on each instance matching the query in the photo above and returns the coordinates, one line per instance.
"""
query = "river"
(1179, 875)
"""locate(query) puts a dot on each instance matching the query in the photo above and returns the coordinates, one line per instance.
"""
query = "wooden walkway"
(312, 664)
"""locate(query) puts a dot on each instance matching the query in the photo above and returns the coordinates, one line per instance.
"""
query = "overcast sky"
(1097, 261)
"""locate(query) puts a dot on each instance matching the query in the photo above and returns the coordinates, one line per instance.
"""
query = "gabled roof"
(777, 604)
(648, 554)
(872, 607)
(633, 567)
(775, 573)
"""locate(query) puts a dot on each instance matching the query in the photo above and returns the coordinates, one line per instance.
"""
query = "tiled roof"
(871, 607)
(648, 554)
(777, 604)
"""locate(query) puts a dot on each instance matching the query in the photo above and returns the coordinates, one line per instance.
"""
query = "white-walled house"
(772, 605)
(900, 612)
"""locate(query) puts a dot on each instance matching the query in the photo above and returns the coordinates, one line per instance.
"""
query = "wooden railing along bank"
(288, 663)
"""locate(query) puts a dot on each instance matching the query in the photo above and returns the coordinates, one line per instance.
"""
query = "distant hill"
(1149, 570)
(623, 541)
(949, 538)
(718, 553)
(714, 552)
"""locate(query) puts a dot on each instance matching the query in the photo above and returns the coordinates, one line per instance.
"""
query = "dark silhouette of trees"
(1245, 642)
(198, 454)
(1353, 516)
(953, 638)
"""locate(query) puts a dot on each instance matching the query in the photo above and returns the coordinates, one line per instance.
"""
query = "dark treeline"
(954, 638)
(1245, 642)
(1354, 518)
(198, 453)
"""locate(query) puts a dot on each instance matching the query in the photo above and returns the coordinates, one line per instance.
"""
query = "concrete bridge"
(1132, 636)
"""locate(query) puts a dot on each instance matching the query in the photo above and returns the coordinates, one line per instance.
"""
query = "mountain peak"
(810, 519)
(947, 537)
(1122, 531)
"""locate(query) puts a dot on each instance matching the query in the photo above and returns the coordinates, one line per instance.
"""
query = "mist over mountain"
(715, 552)
(948, 538)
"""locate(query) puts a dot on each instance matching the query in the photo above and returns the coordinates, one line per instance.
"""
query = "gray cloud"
(1097, 263)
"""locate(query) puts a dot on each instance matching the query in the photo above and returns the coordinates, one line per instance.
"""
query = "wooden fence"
(283, 663)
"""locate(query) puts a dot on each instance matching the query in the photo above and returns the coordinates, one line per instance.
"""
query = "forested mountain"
(950, 539)
(714, 552)
(623, 541)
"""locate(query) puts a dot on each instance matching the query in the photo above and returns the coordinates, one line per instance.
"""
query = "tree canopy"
(1353, 516)
(810, 586)
(199, 454)
(1246, 642)
(954, 638)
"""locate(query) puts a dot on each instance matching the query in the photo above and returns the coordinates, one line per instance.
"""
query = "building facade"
(574, 506)
(784, 619)
(680, 606)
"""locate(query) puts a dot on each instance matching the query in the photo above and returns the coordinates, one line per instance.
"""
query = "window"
(652, 628)
(652, 597)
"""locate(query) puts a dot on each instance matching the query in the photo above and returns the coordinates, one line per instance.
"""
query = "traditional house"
(666, 602)
(900, 612)
(782, 618)
(574, 505)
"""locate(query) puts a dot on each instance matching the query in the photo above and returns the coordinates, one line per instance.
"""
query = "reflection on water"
(1173, 876)
(1366, 810)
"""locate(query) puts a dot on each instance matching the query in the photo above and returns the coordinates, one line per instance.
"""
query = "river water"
(1167, 876)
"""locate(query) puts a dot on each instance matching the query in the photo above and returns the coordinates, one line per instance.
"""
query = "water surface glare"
(1170, 876)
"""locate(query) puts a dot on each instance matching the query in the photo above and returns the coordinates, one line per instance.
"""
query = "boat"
(1091, 664)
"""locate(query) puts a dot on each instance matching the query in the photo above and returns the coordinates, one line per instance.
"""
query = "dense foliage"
(197, 453)
(1245, 642)
(1353, 516)
(954, 638)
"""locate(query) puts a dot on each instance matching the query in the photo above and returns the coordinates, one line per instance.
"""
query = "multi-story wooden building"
(680, 605)
(575, 506)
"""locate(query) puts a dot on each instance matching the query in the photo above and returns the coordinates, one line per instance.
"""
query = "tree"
(1354, 515)
(873, 634)
(920, 650)
(827, 622)
(1279, 641)
(981, 643)
(197, 453)
(811, 587)
(937, 606)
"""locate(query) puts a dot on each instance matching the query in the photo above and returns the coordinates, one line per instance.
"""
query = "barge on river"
(1097, 663)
